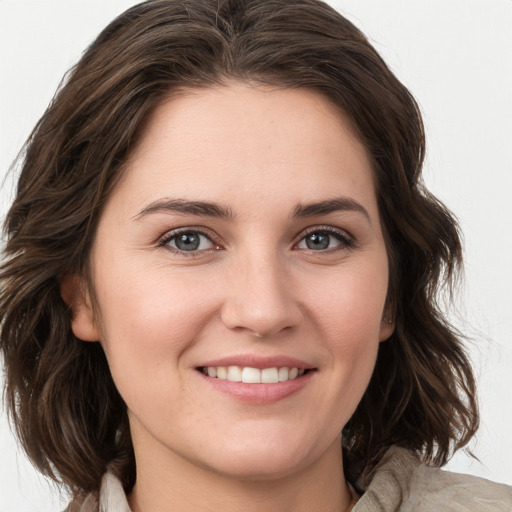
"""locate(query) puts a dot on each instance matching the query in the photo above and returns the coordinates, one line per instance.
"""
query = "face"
(243, 242)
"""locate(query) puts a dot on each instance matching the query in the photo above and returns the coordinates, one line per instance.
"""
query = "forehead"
(260, 141)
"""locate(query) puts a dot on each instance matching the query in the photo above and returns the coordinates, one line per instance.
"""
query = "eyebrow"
(339, 204)
(208, 209)
(201, 208)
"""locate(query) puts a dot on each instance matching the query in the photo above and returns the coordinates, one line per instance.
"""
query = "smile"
(250, 375)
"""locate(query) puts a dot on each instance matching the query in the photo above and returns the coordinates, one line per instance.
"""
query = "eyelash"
(346, 241)
(168, 237)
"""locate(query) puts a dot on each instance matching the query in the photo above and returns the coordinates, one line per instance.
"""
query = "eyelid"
(201, 230)
(346, 239)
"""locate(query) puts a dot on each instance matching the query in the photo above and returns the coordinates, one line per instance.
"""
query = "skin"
(253, 287)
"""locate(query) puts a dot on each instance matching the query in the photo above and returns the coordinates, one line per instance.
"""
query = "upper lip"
(260, 362)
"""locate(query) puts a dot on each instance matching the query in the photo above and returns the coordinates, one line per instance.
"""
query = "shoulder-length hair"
(67, 412)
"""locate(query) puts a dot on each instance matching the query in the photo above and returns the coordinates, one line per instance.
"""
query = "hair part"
(68, 414)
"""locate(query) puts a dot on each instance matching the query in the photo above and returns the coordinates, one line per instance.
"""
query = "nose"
(260, 298)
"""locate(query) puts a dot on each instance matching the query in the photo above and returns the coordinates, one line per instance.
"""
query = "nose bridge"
(260, 297)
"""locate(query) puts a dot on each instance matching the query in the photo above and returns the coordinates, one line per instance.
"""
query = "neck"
(179, 485)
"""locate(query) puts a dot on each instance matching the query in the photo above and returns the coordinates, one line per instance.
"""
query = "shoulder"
(435, 489)
(111, 498)
(87, 503)
(402, 483)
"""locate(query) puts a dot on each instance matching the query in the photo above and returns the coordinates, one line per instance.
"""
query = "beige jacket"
(400, 484)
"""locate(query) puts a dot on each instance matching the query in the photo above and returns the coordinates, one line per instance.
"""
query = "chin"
(260, 469)
(262, 461)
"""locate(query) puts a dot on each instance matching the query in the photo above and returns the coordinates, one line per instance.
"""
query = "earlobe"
(78, 300)
(386, 328)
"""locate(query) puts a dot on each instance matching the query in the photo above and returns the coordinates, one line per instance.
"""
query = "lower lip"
(259, 394)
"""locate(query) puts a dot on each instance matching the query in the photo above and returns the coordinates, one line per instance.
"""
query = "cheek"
(155, 301)
(351, 304)
(148, 320)
(350, 316)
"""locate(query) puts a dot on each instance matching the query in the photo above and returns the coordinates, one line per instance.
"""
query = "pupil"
(317, 241)
(187, 242)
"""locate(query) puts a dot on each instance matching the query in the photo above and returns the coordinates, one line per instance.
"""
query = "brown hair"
(66, 409)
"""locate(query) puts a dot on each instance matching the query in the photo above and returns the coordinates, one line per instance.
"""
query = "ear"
(79, 301)
(387, 327)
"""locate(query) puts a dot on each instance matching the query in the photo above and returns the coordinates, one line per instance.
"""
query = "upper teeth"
(253, 375)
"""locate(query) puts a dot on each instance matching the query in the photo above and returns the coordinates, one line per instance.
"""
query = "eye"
(325, 239)
(188, 241)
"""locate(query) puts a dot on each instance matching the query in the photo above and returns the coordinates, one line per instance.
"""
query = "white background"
(456, 58)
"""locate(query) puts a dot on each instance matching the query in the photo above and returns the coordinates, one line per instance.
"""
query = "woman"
(221, 257)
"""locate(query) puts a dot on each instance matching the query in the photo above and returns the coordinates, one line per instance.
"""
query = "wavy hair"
(67, 412)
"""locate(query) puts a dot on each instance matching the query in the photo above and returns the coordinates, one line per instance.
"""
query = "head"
(66, 408)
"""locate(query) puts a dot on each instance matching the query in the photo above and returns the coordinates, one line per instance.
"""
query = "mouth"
(257, 379)
(251, 375)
